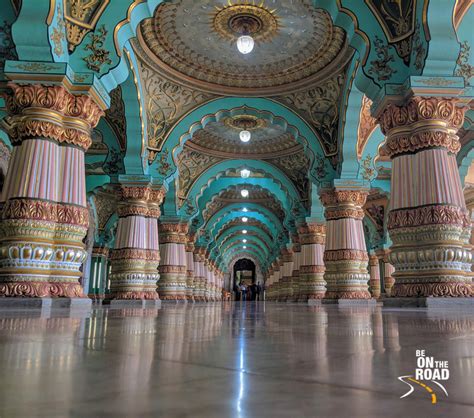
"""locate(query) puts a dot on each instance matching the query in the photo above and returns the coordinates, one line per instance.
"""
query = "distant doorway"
(244, 278)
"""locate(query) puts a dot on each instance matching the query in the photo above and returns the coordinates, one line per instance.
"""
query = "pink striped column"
(190, 285)
(312, 239)
(286, 293)
(374, 271)
(428, 220)
(295, 274)
(45, 215)
(199, 291)
(136, 255)
(345, 254)
(172, 284)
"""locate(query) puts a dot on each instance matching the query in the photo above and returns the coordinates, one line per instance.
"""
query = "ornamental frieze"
(350, 255)
(356, 198)
(33, 209)
(428, 215)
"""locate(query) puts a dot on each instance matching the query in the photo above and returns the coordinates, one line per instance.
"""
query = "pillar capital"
(344, 203)
(51, 112)
(312, 233)
(421, 123)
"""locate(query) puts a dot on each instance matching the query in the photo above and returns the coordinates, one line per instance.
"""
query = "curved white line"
(406, 383)
(441, 386)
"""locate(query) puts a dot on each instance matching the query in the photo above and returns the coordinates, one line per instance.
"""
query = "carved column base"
(315, 283)
(346, 274)
(134, 274)
(431, 260)
(41, 258)
(172, 284)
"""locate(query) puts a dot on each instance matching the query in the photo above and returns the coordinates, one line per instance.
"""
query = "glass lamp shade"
(245, 210)
(244, 241)
(244, 247)
(245, 219)
(245, 174)
(244, 193)
(245, 44)
(244, 231)
(245, 136)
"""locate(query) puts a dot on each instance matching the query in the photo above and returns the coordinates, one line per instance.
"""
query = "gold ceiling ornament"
(245, 122)
(245, 18)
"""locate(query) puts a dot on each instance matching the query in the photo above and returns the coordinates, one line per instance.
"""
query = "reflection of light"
(245, 219)
(241, 373)
(244, 192)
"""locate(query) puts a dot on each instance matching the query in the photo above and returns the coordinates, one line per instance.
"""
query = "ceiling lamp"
(245, 174)
(244, 231)
(245, 136)
(244, 241)
(244, 247)
(245, 44)
(244, 193)
(245, 210)
(245, 219)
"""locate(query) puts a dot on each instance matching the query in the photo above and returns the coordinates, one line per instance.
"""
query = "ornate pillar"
(312, 239)
(346, 254)
(45, 215)
(172, 284)
(286, 273)
(387, 269)
(207, 275)
(98, 281)
(190, 268)
(428, 221)
(374, 271)
(276, 281)
(199, 290)
(136, 256)
(295, 274)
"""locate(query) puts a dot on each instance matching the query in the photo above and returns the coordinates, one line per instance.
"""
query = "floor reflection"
(225, 359)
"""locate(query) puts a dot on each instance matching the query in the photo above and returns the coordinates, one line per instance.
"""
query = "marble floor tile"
(232, 360)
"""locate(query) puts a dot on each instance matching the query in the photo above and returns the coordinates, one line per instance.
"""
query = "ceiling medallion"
(245, 122)
(245, 19)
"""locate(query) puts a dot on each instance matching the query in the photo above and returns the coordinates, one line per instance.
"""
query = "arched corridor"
(282, 163)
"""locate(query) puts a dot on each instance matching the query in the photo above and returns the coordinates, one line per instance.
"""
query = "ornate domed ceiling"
(195, 43)
(221, 139)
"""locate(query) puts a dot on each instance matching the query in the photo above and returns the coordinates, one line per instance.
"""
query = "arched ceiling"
(193, 43)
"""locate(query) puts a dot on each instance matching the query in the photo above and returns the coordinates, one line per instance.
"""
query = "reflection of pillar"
(374, 282)
(286, 293)
(172, 284)
(428, 220)
(199, 291)
(346, 254)
(98, 274)
(190, 269)
(135, 258)
(312, 239)
(45, 215)
(269, 284)
(295, 274)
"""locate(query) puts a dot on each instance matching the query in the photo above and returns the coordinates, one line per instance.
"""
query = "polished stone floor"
(232, 360)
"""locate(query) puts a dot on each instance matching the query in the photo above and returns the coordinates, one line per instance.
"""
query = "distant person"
(258, 291)
(243, 290)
